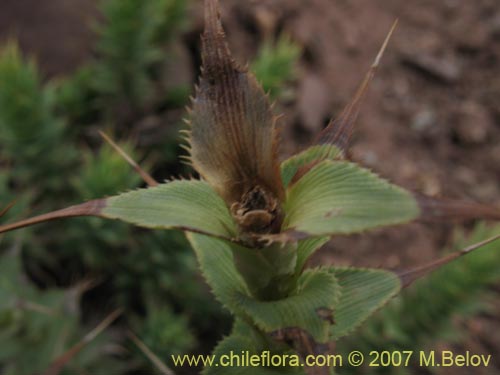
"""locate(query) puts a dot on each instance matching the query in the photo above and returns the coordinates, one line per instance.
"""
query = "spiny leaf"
(186, 205)
(217, 266)
(340, 197)
(409, 276)
(190, 205)
(316, 292)
(233, 138)
(363, 291)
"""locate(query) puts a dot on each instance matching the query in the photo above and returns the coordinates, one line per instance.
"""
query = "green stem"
(269, 271)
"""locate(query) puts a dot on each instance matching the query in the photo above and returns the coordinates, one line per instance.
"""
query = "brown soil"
(431, 121)
(57, 32)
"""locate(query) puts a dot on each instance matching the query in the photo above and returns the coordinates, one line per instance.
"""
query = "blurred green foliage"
(275, 64)
(37, 326)
(50, 158)
(32, 135)
(124, 80)
(129, 50)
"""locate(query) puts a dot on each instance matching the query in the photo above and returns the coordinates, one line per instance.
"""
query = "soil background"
(431, 120)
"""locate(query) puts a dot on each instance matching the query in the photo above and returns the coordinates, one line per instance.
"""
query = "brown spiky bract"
(233, 140)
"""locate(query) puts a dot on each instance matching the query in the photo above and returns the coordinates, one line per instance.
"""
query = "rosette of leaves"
(253, 221)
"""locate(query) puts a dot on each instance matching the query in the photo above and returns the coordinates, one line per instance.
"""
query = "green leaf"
(190, 205)
(290, 166)
(316, 292)
(343, 198)
(306, 249)
(363, 292)
(217, 266)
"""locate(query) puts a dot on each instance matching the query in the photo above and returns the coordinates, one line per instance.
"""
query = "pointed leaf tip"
(408, 277)
(212, 17)
(58, 364)
(340, 130)
(185, 205)
(215, 53)
(7, 208)
(384, 45)
(147, 178)
(91, 208)
(233, 135)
